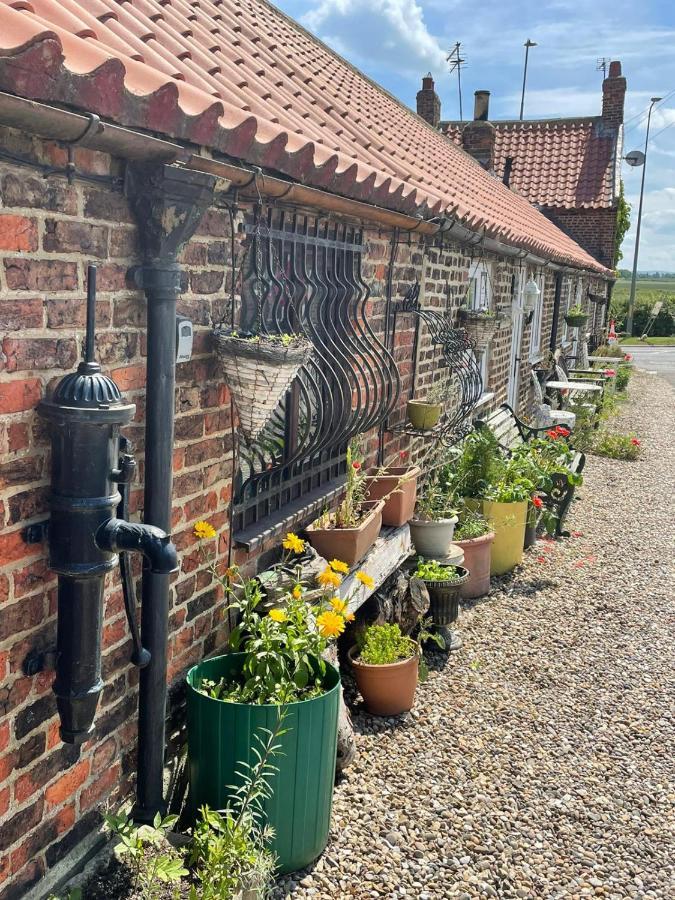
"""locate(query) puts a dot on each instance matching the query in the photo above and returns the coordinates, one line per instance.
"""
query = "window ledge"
(484, 398)
(535, 358)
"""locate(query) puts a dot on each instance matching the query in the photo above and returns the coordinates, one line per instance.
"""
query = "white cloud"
(389, 34)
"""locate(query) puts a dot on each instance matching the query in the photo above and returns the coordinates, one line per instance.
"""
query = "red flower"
(537, 502)
(635, 442)
(577, 534)
(610, 372)
(553, 434)
(356, 464)
(403, 454)
(541, 559)
(628, 356)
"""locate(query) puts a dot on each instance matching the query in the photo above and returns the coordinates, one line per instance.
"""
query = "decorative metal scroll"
(303, 275)
(463, 378)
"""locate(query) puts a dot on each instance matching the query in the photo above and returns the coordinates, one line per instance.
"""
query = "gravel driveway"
(539, 759)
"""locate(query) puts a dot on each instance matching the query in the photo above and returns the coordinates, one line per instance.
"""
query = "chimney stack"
(478, 137)
(613, 95)
(481, 106)
(428, 102)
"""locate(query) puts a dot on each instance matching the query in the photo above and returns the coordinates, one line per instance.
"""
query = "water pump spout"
(117, 535)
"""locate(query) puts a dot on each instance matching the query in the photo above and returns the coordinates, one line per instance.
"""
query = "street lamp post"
(631, 301)
(528, 43)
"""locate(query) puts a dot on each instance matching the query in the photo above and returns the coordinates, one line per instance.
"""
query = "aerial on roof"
(240, 77)
(560, 163)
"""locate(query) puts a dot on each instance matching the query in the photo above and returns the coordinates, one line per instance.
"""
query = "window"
(304, 275)
(537, 318)
(480, 286)
(565, 303)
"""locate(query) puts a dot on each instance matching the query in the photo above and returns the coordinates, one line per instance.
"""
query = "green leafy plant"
(471, 525)
(228, 852)
(154, 862)
(349, 512)
(613, 351)
(623, 377)
(576, 311)
(623, 210)
(617, 446)
(479, 464)
(382, 645)
(430, 570)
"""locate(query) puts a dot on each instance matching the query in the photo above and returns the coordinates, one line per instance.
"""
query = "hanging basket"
(258, 371)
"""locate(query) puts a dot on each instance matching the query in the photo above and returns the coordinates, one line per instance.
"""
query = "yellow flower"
(349, 617)
(231, 572)
(338, 566)
(297, 592)
(329, 578)
(365, 579)
(277, 615)
(203, 530)
(330, 624)
(339, 605)
(293, 542)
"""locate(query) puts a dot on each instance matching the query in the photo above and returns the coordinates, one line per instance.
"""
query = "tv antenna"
(456, 61)
(601, 66)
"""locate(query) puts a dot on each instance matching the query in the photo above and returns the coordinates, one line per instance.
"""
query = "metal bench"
(512, 432)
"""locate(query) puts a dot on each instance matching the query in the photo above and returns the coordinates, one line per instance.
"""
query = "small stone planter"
(444, 598)
(387, 690)
(348, 544)
(432, 539)
(397, 486)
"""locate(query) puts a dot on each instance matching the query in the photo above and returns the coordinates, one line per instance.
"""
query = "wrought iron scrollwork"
(462, 373)
(304, 274)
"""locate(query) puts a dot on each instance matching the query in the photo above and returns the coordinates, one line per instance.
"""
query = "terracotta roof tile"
(567, 163)
(240, 77)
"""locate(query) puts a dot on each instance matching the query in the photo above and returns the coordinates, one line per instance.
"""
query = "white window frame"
(480, 287)
(537, 321)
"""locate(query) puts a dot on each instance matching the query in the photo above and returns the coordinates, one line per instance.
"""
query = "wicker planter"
(348, 544)
(258, 373)
(479, 326)
(444, 597)
(576, 321)
(399, 485)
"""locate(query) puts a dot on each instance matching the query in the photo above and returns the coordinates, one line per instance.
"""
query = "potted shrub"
(396, 487)
(424, 415)
(386, 669)
(433, 525)
(444, 584)
(575, 316)
(275, 668)
(475, 538)
(350, 531)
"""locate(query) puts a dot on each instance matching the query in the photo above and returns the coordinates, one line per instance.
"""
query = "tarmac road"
(655, 359)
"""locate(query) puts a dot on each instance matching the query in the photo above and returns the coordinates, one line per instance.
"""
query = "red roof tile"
(569, 163)
(240, 77)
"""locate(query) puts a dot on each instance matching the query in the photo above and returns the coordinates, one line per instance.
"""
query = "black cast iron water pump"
(91, 472)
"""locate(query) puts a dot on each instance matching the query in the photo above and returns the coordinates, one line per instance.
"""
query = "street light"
(637, 159)
(528, 43)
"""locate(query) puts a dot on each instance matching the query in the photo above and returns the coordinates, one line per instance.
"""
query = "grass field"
(646, 290)
(649, 342)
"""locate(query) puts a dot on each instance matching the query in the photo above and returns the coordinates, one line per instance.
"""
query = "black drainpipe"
(556, 312)
(168, 204)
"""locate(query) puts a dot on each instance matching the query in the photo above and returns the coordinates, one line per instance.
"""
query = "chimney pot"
(481, 106)
(613, 95)
(614, 69)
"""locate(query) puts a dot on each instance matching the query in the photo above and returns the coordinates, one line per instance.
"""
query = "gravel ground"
(539, 759)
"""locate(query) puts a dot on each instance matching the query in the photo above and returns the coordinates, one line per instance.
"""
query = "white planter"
(432, 539)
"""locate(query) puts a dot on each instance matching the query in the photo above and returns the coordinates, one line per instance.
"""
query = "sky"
(395, 42)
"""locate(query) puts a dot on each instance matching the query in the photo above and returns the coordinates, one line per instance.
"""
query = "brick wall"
(592, 229)
(50, 793)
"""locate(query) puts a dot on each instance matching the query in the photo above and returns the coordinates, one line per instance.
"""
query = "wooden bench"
(512, 432)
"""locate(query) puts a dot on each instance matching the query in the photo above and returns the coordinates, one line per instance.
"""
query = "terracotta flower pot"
(432, 539)
(348, 544)
(399, 485)
(477, 554)
(386, 690)
(444, 597)
(423, 415)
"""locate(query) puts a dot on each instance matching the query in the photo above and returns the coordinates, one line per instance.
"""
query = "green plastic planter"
(220, 737)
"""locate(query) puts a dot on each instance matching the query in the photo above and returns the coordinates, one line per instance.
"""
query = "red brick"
(4, 801)
(114, 633)
(16, 396)
(104, 755)
(7, 764)
(206, 282)
(53, 194)
(40, 275)
(66, 786)
(13, 547)
(39, 353)
(4, 589)
(112, 277)
(18, 233)
(99, 788)
(63, 236)
(204, 450)
(18, 315)
(19, 824)
(18, 437)
(20, 471)
(27, 504)
(129, 378)
(4, 735)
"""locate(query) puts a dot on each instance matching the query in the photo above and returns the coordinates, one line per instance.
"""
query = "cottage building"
(216, 156)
